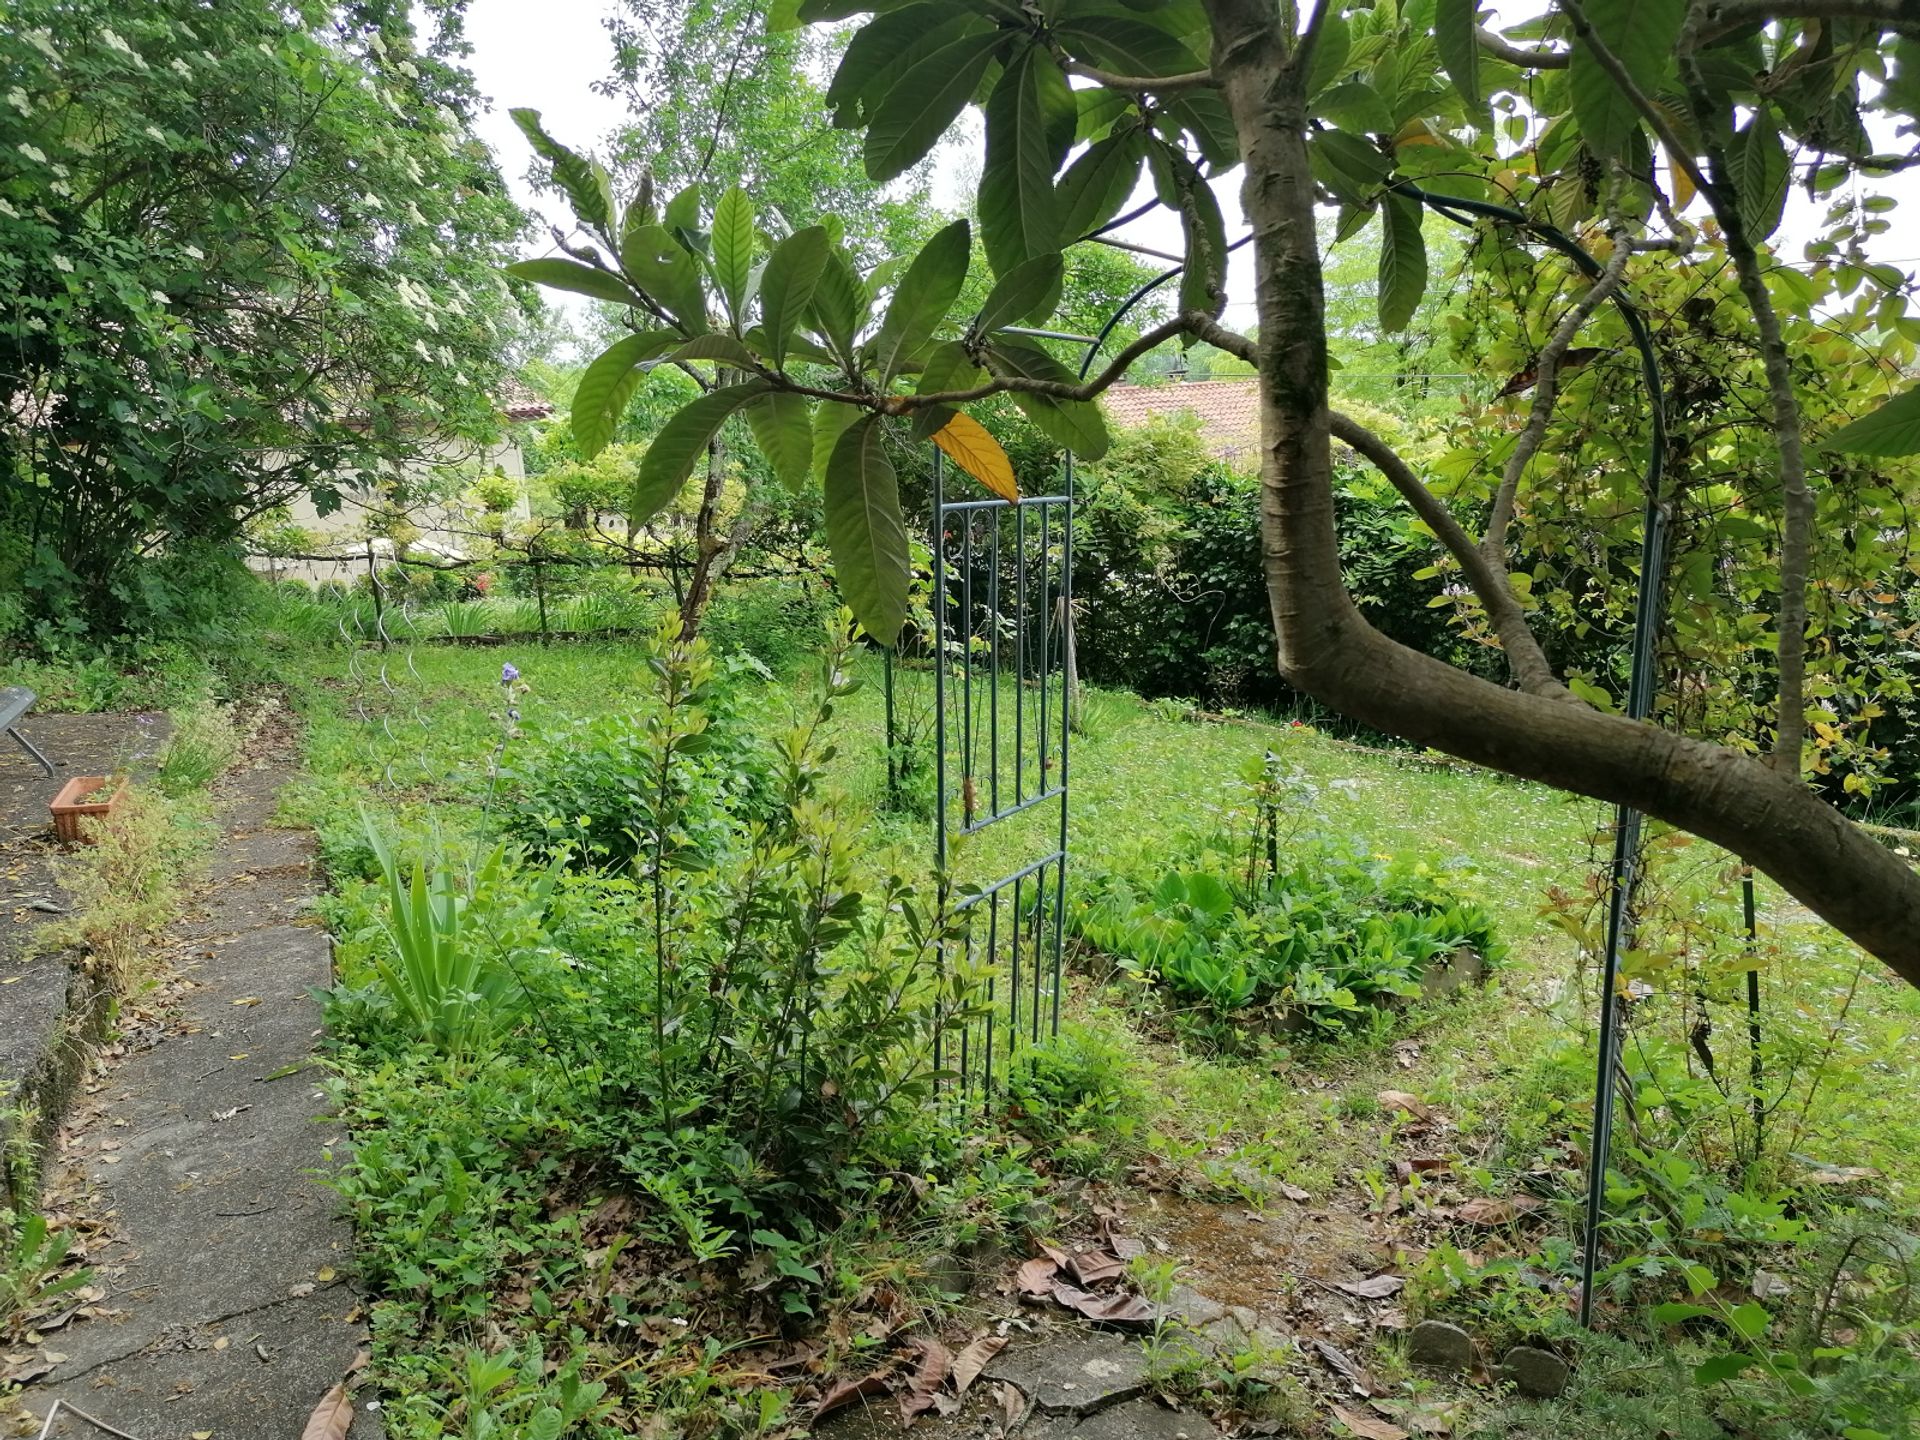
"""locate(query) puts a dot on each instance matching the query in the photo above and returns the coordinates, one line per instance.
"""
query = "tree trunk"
(709, 547)
(1328, 650)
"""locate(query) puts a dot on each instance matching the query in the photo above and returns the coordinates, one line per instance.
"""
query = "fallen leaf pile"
(1088, 1282)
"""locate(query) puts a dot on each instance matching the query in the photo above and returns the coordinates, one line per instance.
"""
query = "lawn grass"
(412, 734)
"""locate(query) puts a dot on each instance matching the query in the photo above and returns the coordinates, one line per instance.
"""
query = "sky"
(546, 55)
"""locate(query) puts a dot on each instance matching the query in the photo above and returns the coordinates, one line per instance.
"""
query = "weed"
(205, 741)
(125, 887)
(32, 1255)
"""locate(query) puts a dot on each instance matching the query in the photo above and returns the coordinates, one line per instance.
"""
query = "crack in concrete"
(146, 1347)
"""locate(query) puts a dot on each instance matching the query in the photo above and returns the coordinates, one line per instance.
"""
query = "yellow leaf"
(1682, 184)
(969, 446)
(324, 1274)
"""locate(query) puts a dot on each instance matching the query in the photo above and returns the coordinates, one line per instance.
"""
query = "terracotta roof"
(1228, 411)
(517, 402)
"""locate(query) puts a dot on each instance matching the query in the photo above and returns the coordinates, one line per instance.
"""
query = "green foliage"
(248, 252)
(32, 1258)
(452, 975)
(1314, 931)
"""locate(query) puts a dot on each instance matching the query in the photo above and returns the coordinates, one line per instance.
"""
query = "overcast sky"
(546, 55)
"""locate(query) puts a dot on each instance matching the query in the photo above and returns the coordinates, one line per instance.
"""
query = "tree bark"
(1328, 650)
(710, 547)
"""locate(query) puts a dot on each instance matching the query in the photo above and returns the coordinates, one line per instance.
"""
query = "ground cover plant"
(1509, 1069)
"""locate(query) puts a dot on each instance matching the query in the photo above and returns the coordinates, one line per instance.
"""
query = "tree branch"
(1156, 84)
(1502, 48)
(1546, 390)
(1723, 17)
(1525, 659)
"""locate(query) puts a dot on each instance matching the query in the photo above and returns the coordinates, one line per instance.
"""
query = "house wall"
(345, 530)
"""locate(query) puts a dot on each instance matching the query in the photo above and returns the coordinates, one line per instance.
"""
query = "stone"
(949, 1274)
(1191, 1307)
(1539, 1373)
(1442, 1346)
(1077, 1376)
(1135, 1420)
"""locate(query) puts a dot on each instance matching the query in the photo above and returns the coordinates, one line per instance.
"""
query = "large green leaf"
(1454, 22)
(782, 425)
(1893, 429)
(608, 383)
(1762, 175)
(830, 421)
(1076, 424)
(733, 249)
(949, 367)
(723, 349)
(1403, 262)
(1026, 294)
(572, 275)
(1330, 54)
(1357, 106)
(925, 101)
(1030, 122)
(865, 531)
(1098, 183)
(1132, 45)
(1641, 34)
(679, 445)
(840, 302)
(886, 48)
(923, 297)
(586, 190)
(1351, 167)
(786, 286)
(661, 266)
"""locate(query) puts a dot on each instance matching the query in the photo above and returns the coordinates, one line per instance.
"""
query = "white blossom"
(17, 98)
(33, 153)
(62, 263)
(42, 40)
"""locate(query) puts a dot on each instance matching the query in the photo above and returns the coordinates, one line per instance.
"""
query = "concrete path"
(231, 1314)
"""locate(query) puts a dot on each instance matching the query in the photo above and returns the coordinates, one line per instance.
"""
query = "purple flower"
(509, 673)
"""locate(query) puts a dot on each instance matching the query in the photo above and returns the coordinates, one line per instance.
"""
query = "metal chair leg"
(28, 746)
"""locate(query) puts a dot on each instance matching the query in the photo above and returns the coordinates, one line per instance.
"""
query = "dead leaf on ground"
(927, 1378)
(1293, 1192)
(845, 1392)
(1342, 1364)
(1377, 1287)
(1401, 1100)
(1035, 1276)
(1095, 1267)
(1368, 1426)
(968, 1364)
(1013, 1405)
(1839, 1174)
(1496, 1210)
(331, 1416)
(1123, 1309)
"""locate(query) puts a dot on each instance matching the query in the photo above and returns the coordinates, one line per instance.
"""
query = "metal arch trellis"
(1623, 875)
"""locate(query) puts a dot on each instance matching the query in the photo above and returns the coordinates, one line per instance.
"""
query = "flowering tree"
(1649, 128)
(247, 252)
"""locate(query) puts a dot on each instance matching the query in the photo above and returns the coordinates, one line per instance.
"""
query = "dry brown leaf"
(331, 1416)
(1013, 1405)
(1293, 1192)
(927, 1378)
(845, 1392)
(1377, 1287)
(1122, 1309)
(1496, 1210)
(975, 1358)
(1401, 1100)
(1343, 1365)
(1095, 1267)
(1368, 1426)
(1035, 1276)
(967, 443)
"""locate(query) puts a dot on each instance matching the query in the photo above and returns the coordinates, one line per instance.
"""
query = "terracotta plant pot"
(72, 804)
